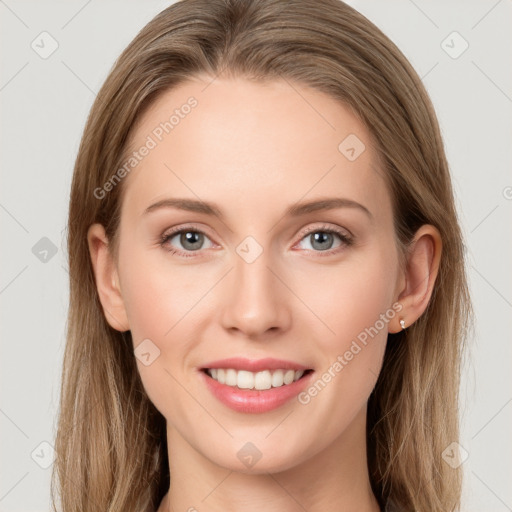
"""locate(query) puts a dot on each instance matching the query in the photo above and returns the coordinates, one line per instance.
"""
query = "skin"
(255, 149)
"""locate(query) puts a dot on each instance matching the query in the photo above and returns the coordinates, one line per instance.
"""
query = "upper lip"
(255, 365)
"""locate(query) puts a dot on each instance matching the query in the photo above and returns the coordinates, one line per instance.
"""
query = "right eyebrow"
(190, 205)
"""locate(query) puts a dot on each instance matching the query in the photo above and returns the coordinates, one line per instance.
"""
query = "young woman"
(268, 293)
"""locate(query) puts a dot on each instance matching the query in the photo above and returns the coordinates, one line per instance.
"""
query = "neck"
(336, 478)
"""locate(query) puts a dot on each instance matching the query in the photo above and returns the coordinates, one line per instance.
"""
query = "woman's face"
(256, 273)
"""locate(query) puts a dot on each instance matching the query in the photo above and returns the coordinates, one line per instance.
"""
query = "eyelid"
(326, 227)
(171, 232)
(184, 227)
(345, 235)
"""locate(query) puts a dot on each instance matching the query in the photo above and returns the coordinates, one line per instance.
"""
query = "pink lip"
(269, 363)
(252, 400)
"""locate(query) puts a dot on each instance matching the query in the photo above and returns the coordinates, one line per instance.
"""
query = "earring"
(402, 323)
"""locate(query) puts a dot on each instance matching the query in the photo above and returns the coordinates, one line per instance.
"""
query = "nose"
(257, 302)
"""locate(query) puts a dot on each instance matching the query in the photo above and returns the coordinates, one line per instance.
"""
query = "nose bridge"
(256, 303)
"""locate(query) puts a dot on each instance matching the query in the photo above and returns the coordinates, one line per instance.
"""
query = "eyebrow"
(294, 210)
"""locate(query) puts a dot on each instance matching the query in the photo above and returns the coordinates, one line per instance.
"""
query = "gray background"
(44, 104)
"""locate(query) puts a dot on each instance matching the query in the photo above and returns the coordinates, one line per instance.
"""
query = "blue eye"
(192, 240)
(323, 240)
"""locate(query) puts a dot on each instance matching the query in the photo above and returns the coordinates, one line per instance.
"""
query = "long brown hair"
(111, 441)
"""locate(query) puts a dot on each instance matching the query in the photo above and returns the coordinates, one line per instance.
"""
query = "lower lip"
(255, 401)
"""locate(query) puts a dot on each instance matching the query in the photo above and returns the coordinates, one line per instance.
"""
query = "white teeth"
(263, 380)
(255, 380)
(245, 380)
(298, 374)
(231, 378)
(288, 376)
(277, 379)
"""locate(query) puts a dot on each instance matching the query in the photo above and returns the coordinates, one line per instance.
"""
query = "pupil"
(321, 238)
(190, 238)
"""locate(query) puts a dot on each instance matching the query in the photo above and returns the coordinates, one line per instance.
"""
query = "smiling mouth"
(259, 381)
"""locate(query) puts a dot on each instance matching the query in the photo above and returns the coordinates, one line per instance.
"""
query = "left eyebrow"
(325, 204)
(294, 210)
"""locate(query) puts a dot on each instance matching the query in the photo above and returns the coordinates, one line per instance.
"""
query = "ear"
(107, 280)
(421, 271)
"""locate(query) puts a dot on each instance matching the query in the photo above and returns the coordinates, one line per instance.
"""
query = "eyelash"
(346, 240)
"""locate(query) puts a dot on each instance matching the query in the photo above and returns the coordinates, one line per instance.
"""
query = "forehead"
(247, 145)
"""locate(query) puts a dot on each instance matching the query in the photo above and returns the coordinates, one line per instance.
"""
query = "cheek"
(157, 295)
(354, 301)
(162, 305)
(356, 307)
